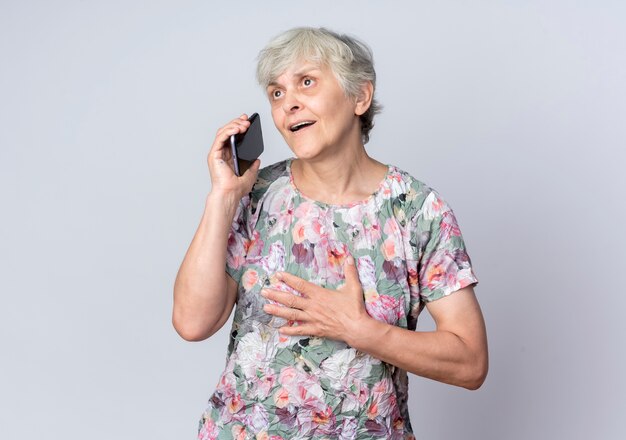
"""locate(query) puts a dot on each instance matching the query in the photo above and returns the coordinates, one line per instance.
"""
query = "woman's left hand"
(333, 314)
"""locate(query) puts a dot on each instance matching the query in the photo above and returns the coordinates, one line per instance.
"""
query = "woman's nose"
(291, 103)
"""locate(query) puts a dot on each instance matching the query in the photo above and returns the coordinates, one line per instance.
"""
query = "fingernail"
(350, 260)
(264, 293)
(279, 275)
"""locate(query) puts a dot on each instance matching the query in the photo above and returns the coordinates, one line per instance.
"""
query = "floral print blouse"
(408, 250)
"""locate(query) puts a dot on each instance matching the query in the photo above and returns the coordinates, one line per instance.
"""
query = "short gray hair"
(350, 59)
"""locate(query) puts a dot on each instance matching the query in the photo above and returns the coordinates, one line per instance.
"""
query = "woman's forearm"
(203, 298)
(456, 353)
(437, 355)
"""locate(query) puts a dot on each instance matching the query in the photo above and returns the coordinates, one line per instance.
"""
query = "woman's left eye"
(307, 82)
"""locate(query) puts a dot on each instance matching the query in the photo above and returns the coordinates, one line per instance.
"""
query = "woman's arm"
(204, 294)
(455, 353)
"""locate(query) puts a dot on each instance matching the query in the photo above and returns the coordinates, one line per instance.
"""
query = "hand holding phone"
(247, 147)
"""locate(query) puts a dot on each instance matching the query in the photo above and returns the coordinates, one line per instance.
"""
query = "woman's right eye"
(277, 94)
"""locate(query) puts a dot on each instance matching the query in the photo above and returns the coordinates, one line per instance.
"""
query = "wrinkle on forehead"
(297, 70)
(300, 68)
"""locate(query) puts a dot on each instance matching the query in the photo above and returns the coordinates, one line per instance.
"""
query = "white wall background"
(514, 111)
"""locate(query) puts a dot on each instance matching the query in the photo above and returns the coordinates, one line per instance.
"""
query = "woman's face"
(312, 112)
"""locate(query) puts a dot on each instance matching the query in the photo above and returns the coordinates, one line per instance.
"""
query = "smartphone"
(247, 147)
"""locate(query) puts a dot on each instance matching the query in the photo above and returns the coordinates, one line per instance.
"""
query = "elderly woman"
(330, 257)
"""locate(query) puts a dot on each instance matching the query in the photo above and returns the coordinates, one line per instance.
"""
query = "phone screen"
(247, 147)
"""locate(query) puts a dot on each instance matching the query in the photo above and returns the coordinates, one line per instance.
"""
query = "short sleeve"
(238, 241)
(443, 265)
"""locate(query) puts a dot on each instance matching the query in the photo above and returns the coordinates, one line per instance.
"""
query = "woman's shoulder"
(408, 191)
(268, 176)
(272, 172)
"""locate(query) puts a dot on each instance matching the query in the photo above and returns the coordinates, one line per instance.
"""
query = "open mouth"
(300, 125)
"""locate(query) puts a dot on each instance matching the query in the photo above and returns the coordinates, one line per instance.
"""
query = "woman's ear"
(364, 100)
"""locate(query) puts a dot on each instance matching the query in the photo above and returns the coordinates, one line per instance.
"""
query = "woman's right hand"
(220, 161)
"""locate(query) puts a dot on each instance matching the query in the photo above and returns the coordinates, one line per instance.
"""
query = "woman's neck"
(345, 177)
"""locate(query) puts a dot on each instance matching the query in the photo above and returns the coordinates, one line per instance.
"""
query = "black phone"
(247, 147)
